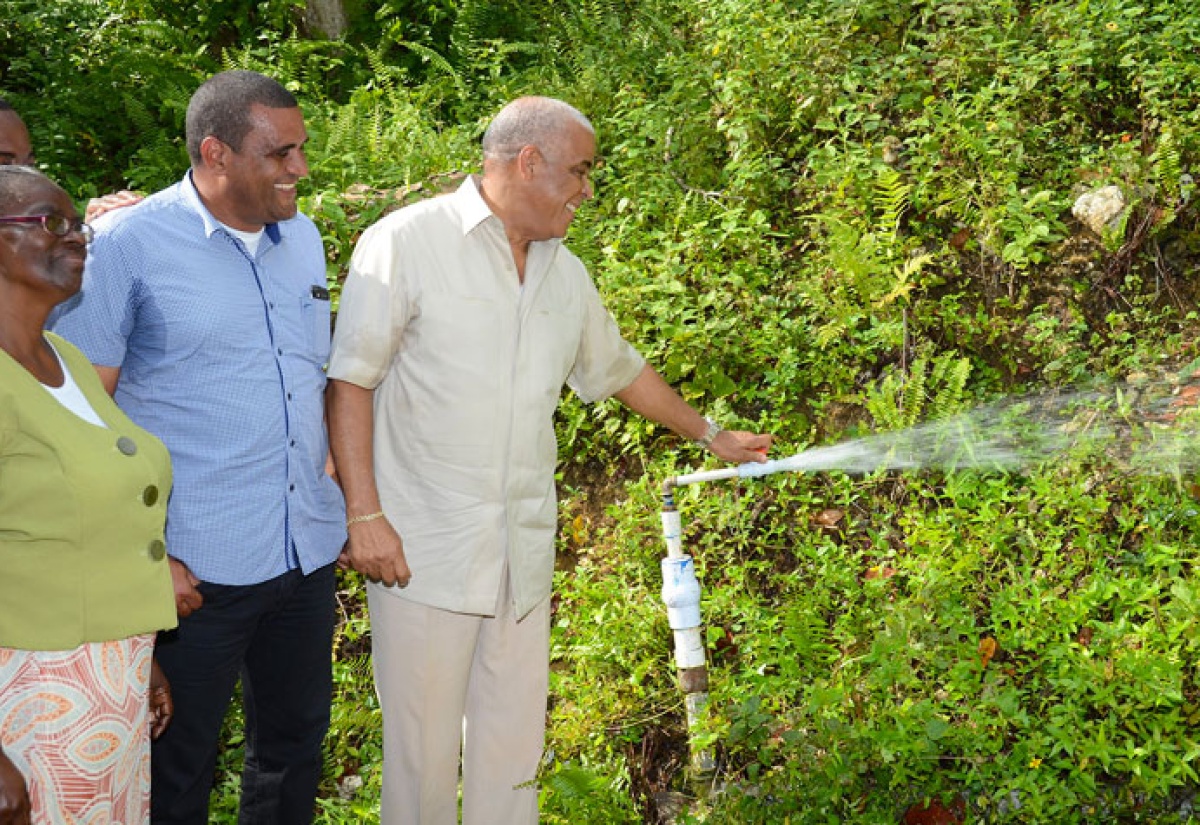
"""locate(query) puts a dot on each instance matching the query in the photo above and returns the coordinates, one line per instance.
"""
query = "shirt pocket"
(315, 315)
(550, 346)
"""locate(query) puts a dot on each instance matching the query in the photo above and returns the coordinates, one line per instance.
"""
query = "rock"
(349, 785)
(892, 151)
(671, 806)
(1100, 209)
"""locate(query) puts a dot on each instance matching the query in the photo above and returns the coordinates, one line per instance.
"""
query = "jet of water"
(1152, 427)
(1005, 435)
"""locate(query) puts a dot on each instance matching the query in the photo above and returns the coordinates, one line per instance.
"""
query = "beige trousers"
(460, 689)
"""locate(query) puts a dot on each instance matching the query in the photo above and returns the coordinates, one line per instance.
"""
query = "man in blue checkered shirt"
(206, 312)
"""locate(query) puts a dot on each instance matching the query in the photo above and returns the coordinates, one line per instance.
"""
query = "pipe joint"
(693, 679)
(681, 592)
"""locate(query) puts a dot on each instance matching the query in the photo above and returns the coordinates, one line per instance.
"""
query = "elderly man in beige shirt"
(461, 320)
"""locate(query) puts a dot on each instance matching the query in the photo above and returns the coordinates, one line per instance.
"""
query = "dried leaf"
(829, 518)
(987, 650)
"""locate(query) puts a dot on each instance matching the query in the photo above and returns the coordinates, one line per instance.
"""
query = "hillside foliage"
(821, 219)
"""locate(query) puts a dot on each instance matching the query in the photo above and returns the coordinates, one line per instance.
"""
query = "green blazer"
(82, 510)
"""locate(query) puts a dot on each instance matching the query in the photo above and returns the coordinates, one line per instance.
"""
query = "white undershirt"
(250, 239)
(71, 397)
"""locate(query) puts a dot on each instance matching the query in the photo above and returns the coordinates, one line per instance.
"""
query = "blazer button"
(127, 445)
(157, 550)
(150, 496)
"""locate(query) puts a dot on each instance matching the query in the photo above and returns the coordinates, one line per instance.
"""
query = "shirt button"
(156, 550)
(292, 443)
(127, 445)
(150, 496)
(280, 350)
(291, 488)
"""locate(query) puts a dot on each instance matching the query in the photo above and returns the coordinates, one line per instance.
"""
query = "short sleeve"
(605, 363)
(373, 308)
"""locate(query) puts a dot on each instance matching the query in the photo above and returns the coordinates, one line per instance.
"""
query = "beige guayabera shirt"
(467, 367)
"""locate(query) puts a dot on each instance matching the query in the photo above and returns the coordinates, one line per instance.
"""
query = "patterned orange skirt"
(76, 725)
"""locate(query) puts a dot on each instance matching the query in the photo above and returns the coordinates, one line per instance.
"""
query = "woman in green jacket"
(84, 582)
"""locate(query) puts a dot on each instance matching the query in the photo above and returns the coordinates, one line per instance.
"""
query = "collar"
(471, 207)
(211, 225)
(474, 212)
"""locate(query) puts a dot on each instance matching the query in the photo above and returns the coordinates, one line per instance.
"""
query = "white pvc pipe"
(681, 594)
(752, 469)
(672, 533)
(705, 475)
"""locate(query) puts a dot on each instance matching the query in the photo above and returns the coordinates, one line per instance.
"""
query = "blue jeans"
(277, 636)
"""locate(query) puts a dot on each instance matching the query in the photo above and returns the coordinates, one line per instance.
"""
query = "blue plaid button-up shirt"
(222, 355)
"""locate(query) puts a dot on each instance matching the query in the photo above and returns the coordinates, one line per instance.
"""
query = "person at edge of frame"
(205, 311)
(16, 150)
(84, 581)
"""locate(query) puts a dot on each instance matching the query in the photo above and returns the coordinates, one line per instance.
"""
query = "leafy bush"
(819, 219)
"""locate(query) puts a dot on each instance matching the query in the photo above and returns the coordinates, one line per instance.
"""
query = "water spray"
(1011, 434)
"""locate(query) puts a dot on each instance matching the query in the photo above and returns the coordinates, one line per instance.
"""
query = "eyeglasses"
(56, 225)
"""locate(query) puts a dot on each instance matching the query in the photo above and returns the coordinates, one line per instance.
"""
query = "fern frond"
(931, 390)
(575, 782)
(912, 398)
(884, 405)
(829, 332)
(949, 375)
(891, 199)
(438, 62)
(1167, 163)
(906, 279)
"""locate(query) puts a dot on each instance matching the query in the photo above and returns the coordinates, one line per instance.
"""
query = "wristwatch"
(710, 432)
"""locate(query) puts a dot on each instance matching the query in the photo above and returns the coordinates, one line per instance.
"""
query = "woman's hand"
(162, 708)
(14, 798)
(187, 598)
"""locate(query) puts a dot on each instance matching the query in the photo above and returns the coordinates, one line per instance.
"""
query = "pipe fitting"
(681, 592)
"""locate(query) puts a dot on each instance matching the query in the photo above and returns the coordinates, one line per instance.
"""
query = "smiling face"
(557, 182)
(257, 183)
(15, 148)
(31, 257)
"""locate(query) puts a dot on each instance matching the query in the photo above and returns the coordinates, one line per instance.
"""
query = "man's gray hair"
(529, 121)
(221, 108)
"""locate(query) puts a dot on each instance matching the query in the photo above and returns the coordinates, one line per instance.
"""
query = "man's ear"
(214, 153)
(528, 159)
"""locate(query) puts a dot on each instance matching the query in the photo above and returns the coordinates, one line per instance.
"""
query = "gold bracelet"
(361, 519)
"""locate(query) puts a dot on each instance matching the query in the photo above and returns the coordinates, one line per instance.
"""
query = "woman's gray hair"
(529, 121)
(16, 181)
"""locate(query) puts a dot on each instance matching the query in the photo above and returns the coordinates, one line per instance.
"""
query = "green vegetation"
(822, 219)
